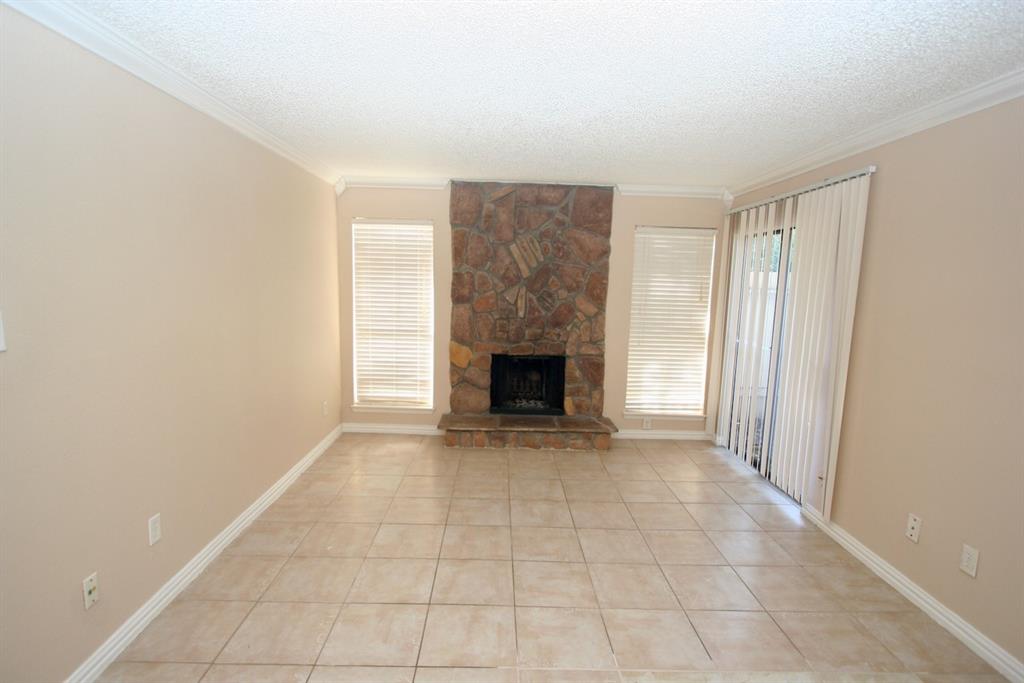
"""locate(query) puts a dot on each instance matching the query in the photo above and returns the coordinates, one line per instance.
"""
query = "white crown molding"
(388, 428)
(78, 26)
(527, 181)
(676, 434)
(99, 660)
(983, 96)
(983, 646)
(690, 191)
(394, 183)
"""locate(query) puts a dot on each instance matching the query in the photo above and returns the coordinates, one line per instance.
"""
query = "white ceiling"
(675, 93)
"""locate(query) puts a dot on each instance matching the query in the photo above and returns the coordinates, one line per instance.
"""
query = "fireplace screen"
(532, 385)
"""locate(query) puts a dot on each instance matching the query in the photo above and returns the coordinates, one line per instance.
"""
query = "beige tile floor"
(393, 559)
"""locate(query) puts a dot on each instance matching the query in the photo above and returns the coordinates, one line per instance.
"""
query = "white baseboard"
(983, 646)
(677, 434)
(387, 428)
(92, 667)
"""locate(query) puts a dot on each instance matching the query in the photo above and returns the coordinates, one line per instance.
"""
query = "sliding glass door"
(762, 243)
(789, 322)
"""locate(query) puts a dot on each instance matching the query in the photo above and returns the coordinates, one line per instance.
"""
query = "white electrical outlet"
(155, 532)
(323, 408)
(913, 527)
(646, 423)
(90, 590)
(969, 561)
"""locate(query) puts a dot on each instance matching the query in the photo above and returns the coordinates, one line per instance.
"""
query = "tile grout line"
(515, 606)
(430, 597)
(593, 588)
(348, 593)
(341, 607)
(290, 557)
(740, 577)
(256, 602)
(664, 576)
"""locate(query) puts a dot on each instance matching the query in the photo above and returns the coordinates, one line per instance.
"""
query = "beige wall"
(408, 205)
(936, 386)
(432, 205)
(170, 301)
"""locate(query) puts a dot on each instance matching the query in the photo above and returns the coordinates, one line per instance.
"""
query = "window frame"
(356, 406)
(660, 412)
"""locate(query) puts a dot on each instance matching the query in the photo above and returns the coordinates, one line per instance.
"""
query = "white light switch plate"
(155, 531)
(969, 561)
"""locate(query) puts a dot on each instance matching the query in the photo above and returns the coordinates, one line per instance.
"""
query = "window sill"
(389, 409)
(665, 416)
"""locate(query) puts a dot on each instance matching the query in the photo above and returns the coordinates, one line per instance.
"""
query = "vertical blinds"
(792, 291)
(669, 317)
(393, 304)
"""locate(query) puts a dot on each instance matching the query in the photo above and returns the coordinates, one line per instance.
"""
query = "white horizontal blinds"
(393, 325)
(790, 322)
(669, 317)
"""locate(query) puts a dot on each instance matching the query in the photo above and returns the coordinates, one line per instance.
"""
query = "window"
(669, 317)
(393, 314)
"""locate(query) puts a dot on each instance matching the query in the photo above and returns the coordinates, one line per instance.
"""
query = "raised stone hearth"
(529, 278)
(527, 431)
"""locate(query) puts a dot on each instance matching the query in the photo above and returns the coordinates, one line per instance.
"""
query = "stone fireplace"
(529, 284)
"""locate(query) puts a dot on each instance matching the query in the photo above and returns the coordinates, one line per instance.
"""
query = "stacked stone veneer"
(530, 277)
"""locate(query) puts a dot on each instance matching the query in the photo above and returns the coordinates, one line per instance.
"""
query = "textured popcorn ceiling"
(705, 93)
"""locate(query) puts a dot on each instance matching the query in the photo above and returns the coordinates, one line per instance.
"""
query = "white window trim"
(670, 416)
(357, 408)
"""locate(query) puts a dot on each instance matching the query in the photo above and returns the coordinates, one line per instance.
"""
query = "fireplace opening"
(527, 385)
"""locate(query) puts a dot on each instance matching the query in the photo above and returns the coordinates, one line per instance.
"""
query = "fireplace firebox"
(527, 385)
